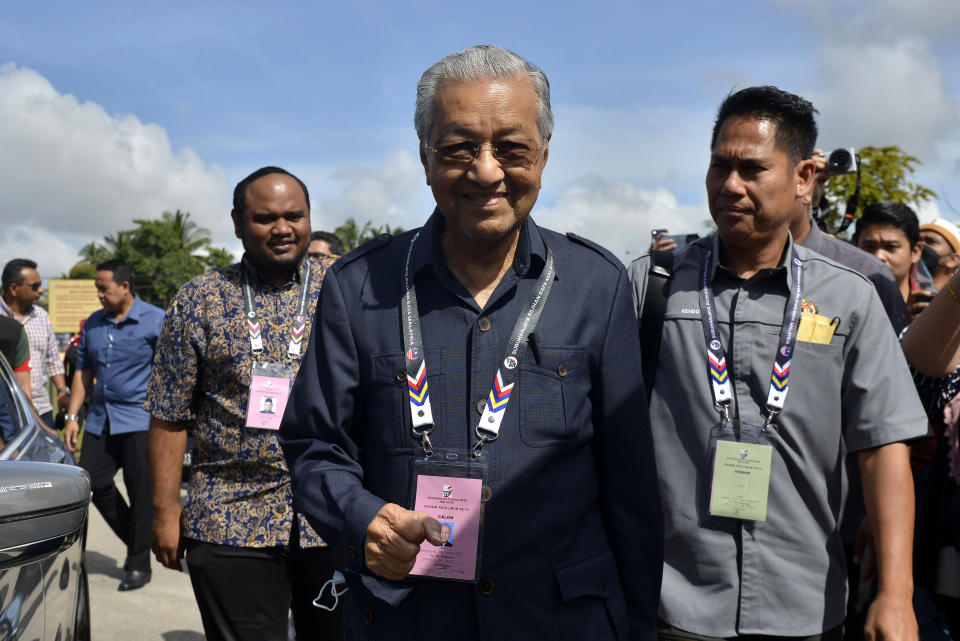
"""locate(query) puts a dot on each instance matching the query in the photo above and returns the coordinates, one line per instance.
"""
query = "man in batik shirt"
(232, 339)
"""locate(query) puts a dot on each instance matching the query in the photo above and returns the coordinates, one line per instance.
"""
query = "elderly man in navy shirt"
(117, 351)
(480, 366)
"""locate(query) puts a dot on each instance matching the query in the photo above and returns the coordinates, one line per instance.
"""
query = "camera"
(842, 161)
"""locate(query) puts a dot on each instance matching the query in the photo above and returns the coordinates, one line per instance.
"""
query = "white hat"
(946, 229)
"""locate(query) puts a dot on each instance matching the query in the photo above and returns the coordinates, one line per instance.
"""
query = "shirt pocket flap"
(390, 367)
(554, 362)
(595, 576)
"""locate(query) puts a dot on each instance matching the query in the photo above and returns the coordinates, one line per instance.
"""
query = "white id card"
(741, 473)
(270, 385)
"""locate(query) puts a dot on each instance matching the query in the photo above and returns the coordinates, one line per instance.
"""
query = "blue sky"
(110, 111)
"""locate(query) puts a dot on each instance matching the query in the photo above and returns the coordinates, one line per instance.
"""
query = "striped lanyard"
(488, 429)
(717, 362)
(297, 332)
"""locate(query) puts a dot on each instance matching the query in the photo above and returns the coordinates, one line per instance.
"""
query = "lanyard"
(489, 426)
(297, 332)
(780, 377)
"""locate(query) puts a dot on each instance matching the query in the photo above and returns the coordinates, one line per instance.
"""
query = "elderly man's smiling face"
(485, 199)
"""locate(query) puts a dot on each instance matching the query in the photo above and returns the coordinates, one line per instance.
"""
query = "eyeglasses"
(509, 153)
(36, 286)
(322, 256)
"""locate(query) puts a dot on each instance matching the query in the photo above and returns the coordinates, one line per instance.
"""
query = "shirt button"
(483, 323)
(367, 616)
(562, 369)
(486, 586)
(485, 493)
(352, 550)
(481, 405)
(401, 375)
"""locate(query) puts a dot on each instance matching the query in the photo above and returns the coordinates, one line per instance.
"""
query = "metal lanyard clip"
(724, 408)
(423, 435)
(483, 437)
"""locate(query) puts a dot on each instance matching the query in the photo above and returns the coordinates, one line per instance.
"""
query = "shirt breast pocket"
(388, 401)
(133, 347)
(554, 397)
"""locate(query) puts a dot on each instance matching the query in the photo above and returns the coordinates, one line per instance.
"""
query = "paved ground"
(163, 610)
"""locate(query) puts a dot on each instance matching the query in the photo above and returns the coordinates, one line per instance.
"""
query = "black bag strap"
(654, 309)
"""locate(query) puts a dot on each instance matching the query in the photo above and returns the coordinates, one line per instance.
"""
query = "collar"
(9, 312)
(814, 239)
(136, 311)
(781, 271)
(256, 276)
(429, 250)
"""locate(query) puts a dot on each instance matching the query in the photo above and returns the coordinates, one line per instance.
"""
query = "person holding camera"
(806, 232)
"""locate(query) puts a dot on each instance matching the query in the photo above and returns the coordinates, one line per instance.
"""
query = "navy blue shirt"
(573, 508)
(120, 353)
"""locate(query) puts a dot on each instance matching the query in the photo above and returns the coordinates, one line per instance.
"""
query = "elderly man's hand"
(393, 540)
(891, 618)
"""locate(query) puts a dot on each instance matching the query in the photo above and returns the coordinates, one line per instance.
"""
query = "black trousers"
(101, 456)
(244, 594)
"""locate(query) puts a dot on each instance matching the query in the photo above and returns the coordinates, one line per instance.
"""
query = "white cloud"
(619, 215)
(392, 192)
(881, 68)
(79, 173)
(653, 146)
(889, 93)
(53, 254)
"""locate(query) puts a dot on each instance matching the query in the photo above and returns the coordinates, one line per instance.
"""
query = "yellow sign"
(71, 301)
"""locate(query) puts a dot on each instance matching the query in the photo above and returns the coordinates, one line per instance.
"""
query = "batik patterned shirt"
(239, 490)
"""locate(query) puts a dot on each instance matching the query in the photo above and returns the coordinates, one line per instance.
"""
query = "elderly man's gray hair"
(480, 63)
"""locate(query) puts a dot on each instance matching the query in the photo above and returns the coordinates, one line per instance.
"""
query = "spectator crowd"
(486, 429)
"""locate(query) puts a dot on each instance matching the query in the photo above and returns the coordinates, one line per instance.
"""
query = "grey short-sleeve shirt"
(784, 576)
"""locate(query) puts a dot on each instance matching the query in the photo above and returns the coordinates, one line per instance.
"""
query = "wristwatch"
(63, 390)
(71, 417)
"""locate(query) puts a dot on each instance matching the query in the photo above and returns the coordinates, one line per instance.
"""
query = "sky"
(113, 111)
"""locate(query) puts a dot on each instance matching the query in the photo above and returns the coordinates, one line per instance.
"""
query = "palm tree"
(191, 236)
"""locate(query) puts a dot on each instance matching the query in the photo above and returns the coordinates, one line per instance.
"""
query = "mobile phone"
(682, 240)
(656, 233)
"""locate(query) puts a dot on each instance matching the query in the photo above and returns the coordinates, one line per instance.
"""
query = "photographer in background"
(806, 232)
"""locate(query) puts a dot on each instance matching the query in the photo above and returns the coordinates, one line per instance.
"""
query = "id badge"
(742, 459)
(270, 385)
(448, 488)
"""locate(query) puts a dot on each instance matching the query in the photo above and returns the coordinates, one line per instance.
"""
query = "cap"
(946, 229)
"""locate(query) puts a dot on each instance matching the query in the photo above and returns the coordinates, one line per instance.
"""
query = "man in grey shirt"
(741, 304)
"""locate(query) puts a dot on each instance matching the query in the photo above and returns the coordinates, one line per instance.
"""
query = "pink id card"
(455, 503)
(268, 399)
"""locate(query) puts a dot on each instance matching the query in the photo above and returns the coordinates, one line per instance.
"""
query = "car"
(44, 504)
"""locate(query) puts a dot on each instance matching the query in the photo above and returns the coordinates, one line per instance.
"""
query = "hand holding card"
(393, 540)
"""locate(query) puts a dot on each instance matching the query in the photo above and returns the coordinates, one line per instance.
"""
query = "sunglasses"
(36, 286)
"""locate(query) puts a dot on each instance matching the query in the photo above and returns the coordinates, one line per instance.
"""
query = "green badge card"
(741, 480)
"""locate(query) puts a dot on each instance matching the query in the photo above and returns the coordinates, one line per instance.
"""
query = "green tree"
(164, 252)
(885, 175)
(192, 237)
(217, 258)
(352, 237)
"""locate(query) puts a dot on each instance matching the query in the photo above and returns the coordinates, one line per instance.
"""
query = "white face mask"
(337, 585)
